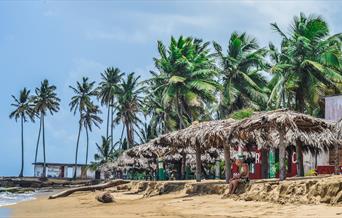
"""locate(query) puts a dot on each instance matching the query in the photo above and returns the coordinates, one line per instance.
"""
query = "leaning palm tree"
(45, 100)
(107, 92)
(129, 105)
(88, 119)
(23, 111)
(243, 84)
(311, 59)
(81, 103)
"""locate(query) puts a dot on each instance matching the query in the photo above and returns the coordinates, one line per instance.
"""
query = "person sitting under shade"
(241, 176)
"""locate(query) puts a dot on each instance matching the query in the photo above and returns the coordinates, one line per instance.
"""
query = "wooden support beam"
(227, 167)
(282, 156)
(198, 163)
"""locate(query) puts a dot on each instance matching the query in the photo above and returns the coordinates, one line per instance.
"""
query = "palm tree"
(186, 77)
(23, 111)
(311, 59)
(81, 103)
(243, 84)
(45, 100)
(107, 92)
(105, 153)
(129, 105)
(89, 118)
(162, 118)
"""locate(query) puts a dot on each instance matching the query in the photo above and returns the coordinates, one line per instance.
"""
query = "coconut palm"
(107, 92)
(80, 103)
(45, 100)
(186, 74)
(311, 59)
(105, 153)
(162, 118)
(243, 84)
(129, 104)
(23, 111)
(88, 119)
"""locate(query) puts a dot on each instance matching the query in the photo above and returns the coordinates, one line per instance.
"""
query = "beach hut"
(198, 137)
(274, 129)
(282, 129)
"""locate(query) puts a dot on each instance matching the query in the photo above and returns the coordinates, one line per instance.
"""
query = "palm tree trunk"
(129, 136)
(76, 153)
(198, 163)
(87, 135)
(38, 139)
(108, 117)
(300, 104)
(112, 125)
(179, 114)
(227, 165)
(122, 132)
(44, 154)
(22, 147)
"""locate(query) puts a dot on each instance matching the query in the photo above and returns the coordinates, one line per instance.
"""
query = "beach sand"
(83, 204)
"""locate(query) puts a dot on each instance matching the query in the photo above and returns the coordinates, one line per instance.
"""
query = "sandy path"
(166, 206)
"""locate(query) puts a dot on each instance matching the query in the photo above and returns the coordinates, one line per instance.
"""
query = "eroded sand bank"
(128, 205)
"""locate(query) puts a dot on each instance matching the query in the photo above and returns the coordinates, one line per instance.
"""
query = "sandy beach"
(127, 205)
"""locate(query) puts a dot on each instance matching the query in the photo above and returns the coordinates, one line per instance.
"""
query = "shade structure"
(263, 129)
(200, 137)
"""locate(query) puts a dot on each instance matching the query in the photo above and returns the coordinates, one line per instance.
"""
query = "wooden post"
(183, 168)
(227, 167)
(300, 162)
(337, 160)
(282, 157)
(198, 163)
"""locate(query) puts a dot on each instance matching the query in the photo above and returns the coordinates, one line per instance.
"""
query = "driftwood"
(89, 188)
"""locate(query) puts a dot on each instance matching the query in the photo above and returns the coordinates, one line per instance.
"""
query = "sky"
(62, 41)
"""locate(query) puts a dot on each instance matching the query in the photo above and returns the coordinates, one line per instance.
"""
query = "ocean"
(7, 198)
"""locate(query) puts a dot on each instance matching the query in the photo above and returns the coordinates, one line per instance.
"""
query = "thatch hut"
(279, 128)
(198, 136)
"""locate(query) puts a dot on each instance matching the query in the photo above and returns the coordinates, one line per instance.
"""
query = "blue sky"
(65, 40)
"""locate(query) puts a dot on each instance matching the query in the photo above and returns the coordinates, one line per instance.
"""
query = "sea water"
(7, 198)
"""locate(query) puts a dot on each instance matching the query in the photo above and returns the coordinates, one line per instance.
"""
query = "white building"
(65, 170)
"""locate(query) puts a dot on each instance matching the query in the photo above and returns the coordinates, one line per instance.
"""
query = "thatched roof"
(144, 156)
(261, 129)
(198, 133)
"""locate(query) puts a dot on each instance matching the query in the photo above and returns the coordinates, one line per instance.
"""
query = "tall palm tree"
(80, 103)
(23, 111)
(45, 100)
(162, 118)
(129, 105)
(89, 118)
(243, 83)
(311, 58)
(107, 92)
(186, 74)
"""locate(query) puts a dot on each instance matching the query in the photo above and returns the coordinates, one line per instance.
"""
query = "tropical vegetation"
(195, 80)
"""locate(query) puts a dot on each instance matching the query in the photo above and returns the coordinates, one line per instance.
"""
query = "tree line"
(195, 80)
